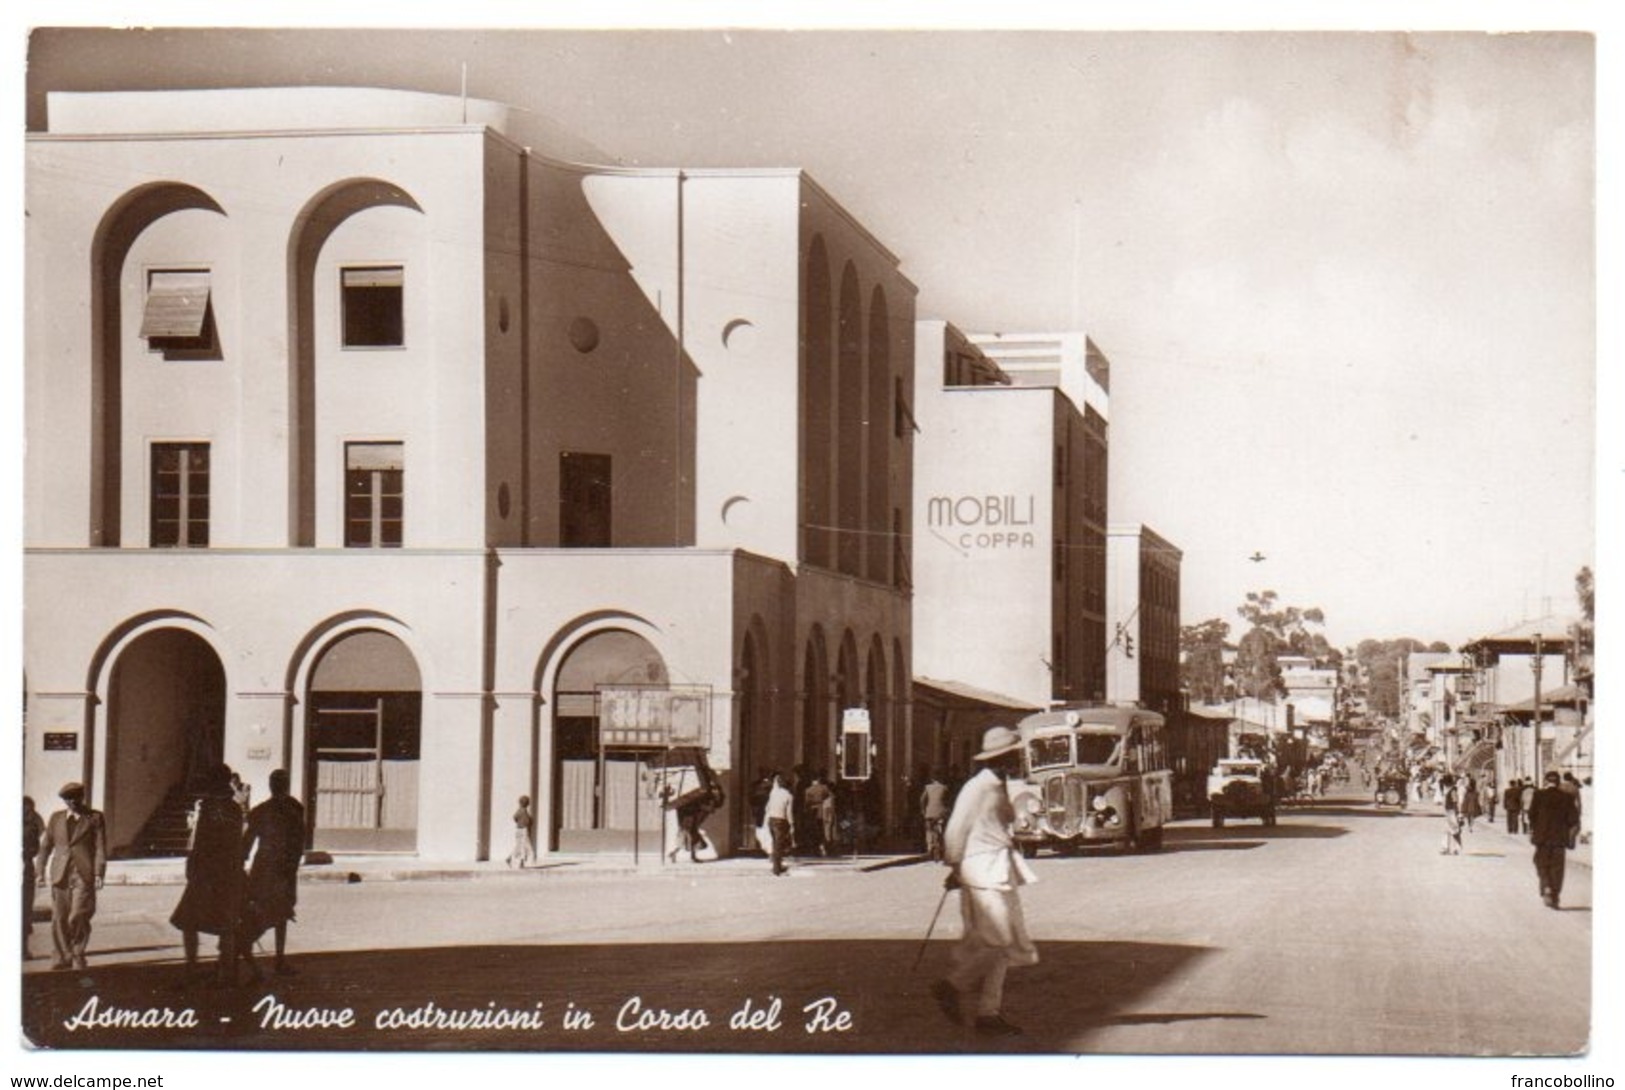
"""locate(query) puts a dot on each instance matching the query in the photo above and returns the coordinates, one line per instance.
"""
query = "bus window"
(1096, 749)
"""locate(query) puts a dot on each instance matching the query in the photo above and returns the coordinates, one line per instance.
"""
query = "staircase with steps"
(166, 834)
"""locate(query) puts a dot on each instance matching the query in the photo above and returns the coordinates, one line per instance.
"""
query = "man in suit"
(1551, 817)
(73, 862)
(1512, 802)
(987, 871)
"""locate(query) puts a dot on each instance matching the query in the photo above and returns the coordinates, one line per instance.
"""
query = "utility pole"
(1536, 666)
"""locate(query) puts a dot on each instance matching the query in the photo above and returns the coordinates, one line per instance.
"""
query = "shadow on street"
(871, 1001)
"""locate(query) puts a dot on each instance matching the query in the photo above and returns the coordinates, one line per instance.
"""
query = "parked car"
(1241, 787)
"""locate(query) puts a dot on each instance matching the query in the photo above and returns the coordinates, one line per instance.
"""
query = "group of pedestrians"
(795, 813)
(1551, 816)
(68, 853)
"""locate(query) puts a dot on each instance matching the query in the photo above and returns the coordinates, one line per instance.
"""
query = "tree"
(1201, 661)
(1277, 630)
(1584, 634)
(1382, 663)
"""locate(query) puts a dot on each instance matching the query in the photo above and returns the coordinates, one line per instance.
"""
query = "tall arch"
(876, 698)
(315, 223)
(817, 409)
(160, 683)
(877, 441)
(599, 801)
(815, 737)
(755, 752)
(122, 224)
(363, 729)
(849, 388)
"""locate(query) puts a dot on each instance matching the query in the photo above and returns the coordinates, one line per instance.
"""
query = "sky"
(1346, 280)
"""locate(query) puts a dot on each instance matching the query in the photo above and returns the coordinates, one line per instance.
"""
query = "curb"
(352, 872)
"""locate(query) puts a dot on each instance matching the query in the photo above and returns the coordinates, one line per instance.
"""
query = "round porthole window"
(584, 334)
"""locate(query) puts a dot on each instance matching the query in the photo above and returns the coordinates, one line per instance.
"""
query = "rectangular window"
(586, 500)
(374, 311)
(178, 317)
(180, 495)
(374, 495)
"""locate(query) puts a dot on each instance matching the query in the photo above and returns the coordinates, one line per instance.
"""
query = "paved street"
(1340, 930)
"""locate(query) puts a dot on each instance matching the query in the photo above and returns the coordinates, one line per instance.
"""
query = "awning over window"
(382, 277)
(365, 456)
(176, 304)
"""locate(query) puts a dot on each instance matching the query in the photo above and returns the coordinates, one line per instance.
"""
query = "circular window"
(584, 334)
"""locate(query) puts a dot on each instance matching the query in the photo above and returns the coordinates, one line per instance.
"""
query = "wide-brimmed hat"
(997, 741)
(72, 790)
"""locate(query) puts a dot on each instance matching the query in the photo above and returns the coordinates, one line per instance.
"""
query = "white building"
(366, 442)
(1010, 525)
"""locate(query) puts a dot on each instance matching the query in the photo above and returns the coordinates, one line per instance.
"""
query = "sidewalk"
(406, 868)
(1579, 855)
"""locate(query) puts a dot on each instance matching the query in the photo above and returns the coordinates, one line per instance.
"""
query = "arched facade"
(118, 231)
(366, 666)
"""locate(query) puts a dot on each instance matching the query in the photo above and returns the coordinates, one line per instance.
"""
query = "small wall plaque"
(259, 753)
(61, 740)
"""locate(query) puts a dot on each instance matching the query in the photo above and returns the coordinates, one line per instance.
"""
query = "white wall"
(982, 592)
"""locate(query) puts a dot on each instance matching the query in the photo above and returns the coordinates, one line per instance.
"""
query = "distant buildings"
(1520, 712)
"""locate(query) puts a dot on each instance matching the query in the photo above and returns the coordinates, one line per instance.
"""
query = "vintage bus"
(1092, 775)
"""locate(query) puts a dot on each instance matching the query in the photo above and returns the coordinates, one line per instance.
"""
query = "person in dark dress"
(276, 840)
(213, 900)
(33, 833)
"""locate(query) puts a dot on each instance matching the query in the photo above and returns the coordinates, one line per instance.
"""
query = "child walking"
(1452, 819)
(523, 852)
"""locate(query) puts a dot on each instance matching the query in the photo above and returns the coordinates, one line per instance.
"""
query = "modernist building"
(366, 442)
(1010, 521)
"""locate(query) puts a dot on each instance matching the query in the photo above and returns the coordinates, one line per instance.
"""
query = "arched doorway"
(817, 741)
(363, 731)
(600, 796)
(755, 755)
(166, 725)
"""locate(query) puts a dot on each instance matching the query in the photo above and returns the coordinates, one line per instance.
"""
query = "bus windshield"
(1049, 751)
(1096, 749)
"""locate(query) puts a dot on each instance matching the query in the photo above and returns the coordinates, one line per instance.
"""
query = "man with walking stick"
(987, 870)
